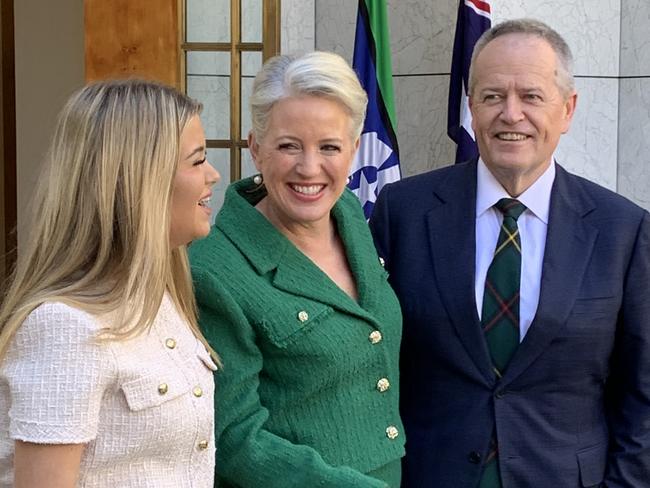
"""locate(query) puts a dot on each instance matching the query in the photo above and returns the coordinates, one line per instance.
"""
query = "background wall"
(49, 67)
(609, 141)
(633, 169)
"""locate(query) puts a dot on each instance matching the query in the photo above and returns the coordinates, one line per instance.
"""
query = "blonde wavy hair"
(99, 238)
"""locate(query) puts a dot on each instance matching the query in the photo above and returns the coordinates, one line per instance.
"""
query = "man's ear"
(470, 104)
(569, 110)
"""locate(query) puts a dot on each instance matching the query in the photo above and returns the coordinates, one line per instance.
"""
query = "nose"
(212, 176)
(308, 164)
(512, 109)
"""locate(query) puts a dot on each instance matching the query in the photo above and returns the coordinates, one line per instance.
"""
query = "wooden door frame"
(8, 193)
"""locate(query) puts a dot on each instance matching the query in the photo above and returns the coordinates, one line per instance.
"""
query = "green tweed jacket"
(308, 393)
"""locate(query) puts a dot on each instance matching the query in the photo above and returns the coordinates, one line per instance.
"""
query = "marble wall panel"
(591, 28)
(422, 32)
(589, 149)
(635, 38)
(421, 104)
(298, 26)
(208, 63)
(634, 141)
(422, 35)
(208, 20)
(251, 20)
(214, 93)
(336, 22)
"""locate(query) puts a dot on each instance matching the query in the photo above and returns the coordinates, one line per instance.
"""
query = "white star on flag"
(372, 153)
(466, 116)
(366, 191)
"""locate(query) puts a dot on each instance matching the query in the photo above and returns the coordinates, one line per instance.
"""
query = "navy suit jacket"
(573, 406)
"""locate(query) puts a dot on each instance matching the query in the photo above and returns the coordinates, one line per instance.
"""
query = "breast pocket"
(600, 305)
(154, 390)
(290, 322)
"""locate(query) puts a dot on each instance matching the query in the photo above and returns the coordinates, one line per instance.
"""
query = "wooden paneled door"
(132, 38)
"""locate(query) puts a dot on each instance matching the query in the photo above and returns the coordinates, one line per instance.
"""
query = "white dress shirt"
(533, 224)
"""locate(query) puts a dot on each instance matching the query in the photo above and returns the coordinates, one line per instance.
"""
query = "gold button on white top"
(163, 388)
(382, 262)
(392, 432)
(375, 337)
(203, 445)
(383, 385)
(170, 343)
(197, 391)
(303, 316)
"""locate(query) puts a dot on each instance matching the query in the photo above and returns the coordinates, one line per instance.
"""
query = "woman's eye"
(201, 161)
(288, 146)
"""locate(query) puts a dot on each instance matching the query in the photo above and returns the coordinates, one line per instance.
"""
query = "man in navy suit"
(570, 407)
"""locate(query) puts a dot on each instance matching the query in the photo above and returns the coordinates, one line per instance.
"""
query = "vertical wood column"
(8, 181)
(132, 38)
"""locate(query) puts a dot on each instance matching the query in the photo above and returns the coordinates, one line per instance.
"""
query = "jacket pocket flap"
(152, 391)
(285, 324)
(592, 464)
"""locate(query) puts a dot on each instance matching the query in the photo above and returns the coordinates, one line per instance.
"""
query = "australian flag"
(473, 19)
(377, 160)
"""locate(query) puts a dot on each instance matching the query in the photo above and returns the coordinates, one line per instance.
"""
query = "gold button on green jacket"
(297, 400)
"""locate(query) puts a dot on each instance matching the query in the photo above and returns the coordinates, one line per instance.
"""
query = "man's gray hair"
(536, 28)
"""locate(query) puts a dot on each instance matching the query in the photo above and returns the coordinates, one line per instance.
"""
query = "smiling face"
(190, 210)
(304, 158)
(518, 111)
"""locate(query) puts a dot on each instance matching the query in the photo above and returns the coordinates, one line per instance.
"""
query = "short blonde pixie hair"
(318, 73)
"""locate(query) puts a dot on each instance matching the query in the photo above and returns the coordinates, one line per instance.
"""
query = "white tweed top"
(143, 407)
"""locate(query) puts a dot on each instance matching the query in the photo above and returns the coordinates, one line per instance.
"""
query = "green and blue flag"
(377, 160)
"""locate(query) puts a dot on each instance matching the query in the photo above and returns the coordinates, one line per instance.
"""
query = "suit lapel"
(271, 253)
(451, 233)
(569, 245)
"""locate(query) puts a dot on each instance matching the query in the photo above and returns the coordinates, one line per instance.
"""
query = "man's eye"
(330, 148)
(492, 97)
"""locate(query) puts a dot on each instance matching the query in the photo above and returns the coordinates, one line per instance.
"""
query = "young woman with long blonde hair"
(105, 379)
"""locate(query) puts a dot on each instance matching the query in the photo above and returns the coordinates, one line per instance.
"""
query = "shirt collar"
(537, 197)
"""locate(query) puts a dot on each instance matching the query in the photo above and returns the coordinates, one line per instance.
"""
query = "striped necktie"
(500, 316)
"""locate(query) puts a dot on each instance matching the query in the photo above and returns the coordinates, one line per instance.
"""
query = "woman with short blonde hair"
(99, 346)
(292, 291)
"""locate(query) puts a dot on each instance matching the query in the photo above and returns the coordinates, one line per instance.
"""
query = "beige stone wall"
(49, 67)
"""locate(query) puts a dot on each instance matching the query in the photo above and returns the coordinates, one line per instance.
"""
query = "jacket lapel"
(270, 252)
(299, 276)
(569, 245)
(451, 232)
